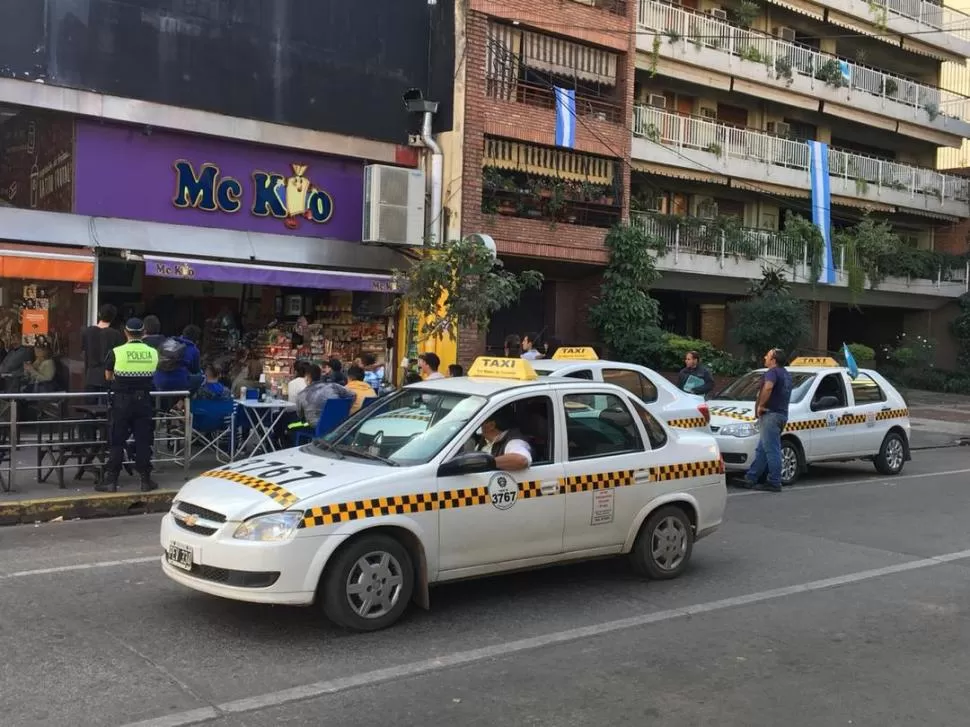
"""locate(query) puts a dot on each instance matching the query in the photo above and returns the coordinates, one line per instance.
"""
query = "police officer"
(129, 370)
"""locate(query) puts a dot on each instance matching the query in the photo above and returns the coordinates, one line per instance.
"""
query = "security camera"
(415, 103)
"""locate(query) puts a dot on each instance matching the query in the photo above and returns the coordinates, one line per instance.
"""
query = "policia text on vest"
(129, 371)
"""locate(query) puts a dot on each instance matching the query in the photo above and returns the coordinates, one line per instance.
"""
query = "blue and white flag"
(818, 165)
(850, 362)
(565, 117)
(846, 71)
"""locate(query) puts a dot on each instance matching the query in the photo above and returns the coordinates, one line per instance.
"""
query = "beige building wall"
(955, 77)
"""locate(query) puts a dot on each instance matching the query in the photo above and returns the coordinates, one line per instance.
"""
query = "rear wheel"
(791, 462)
(892, 455)
(368, 585)
(664, 545)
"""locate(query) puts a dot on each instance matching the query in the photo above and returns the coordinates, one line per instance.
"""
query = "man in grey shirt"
(12, 367)
(314, 397)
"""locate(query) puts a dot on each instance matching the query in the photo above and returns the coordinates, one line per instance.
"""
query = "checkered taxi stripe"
(276, 493)
(847, 419)
(892, 414)
(732, 415)
(805, 425)
(469, 497)
(688, 423)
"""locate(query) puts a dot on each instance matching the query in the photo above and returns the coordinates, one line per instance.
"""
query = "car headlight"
(739, 429)
(273, 527)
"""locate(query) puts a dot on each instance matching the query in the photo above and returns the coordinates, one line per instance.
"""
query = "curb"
(110, 504)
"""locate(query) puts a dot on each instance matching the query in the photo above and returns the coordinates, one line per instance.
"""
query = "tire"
(350, 570)
(663, 548)
(792, 462)
(892, 455)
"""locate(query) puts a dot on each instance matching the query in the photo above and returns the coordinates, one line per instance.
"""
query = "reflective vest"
(135, 362)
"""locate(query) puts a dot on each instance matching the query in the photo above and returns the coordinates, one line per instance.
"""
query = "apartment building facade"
(704, 112)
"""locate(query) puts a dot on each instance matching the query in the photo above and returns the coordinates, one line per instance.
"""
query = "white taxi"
(678, 408)
(362, 521)
(832, 417)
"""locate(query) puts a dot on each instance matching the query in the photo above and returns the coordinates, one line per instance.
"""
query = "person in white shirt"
(298, 384)
(428, 365)
(504, 443)
(529, 351)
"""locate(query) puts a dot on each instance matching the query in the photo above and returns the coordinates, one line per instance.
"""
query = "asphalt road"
(844, 601)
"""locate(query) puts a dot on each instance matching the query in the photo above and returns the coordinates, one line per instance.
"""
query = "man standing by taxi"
(772, 410)
(129, 370)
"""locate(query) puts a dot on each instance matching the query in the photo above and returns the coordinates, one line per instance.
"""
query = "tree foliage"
(467, 278)
(960, 329)
(625, 316)
(771, 318)
(870, 249)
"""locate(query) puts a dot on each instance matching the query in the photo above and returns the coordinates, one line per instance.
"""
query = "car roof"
(816, 370)
(481, 386)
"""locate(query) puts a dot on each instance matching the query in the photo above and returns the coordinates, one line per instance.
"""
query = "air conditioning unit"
(708, 113)
(393, 205)
(779, 128)
(718, 13)
(657, 101)
(785, 33)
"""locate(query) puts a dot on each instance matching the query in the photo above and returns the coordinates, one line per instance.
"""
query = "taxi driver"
(504, 443)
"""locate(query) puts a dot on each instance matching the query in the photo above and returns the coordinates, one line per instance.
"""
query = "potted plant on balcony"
(783, 69)
(831, 73)
(890, 87)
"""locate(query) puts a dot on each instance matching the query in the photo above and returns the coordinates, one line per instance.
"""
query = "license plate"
(180, 556)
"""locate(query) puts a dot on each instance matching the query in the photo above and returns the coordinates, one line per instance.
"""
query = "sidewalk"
(938, 420)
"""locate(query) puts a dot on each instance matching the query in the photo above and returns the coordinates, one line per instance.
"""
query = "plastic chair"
(334, 412)
(211, 424)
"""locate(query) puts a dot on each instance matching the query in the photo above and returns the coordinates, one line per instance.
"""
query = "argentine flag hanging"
(850, 363)
(565, 117)
(818, 164)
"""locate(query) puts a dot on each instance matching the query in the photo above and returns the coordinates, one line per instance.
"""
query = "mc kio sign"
(289, 199)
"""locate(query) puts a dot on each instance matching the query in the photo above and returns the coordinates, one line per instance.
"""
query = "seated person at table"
(298, 383)
(212, 388)
(40, 374)
(248, 377)
(310, 403)
(362, 390)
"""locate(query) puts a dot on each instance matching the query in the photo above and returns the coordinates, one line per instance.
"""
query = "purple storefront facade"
(224, 211)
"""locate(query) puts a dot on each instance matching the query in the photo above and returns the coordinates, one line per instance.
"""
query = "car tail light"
(705, 412)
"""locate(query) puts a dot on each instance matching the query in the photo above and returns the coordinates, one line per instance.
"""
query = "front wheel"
(791, 462)
(368, 585)
(664, 545)
(892, 455)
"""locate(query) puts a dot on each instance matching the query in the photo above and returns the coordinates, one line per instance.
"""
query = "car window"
(867, 391)
(655, 431)
(530, 420)
(830, 385)
(408, 427)
(633, 381)
(603, 429)
(746, 388)
(585, 374)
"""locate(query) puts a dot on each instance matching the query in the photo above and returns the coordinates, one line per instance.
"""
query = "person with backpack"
(179, 362)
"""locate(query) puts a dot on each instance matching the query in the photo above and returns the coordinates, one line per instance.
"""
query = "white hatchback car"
(678, 408)
(832, 417)
(399, 497)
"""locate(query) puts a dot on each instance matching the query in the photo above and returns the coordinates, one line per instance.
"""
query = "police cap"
(135, 325)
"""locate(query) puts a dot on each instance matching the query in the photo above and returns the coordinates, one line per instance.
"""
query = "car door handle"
(550, 488)
(887, 408)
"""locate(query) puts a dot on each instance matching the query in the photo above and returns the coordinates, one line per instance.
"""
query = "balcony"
(941, 27)
(707, 42)
(707, 146)
(617, 7)
(593, 107)
(708, 248)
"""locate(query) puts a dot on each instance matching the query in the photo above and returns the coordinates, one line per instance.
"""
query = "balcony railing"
(690, 132)
(544, 97)
(784, 58)
(691, 236)
(943, 18)
(617, 7)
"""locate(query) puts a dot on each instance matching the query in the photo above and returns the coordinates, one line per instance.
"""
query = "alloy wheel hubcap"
(374, 584)
(894, 454)
(789, 463)
(669, 543)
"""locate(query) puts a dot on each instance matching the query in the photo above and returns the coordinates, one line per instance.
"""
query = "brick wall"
(953, 239)
(483, 115)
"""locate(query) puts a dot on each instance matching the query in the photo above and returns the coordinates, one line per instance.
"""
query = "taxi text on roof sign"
(826, 361)
(512, 369)
(575, 353)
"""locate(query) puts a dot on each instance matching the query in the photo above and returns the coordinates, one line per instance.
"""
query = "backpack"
(171, 355)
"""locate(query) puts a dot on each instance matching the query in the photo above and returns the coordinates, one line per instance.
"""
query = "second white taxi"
(401, 496)
(832, 417)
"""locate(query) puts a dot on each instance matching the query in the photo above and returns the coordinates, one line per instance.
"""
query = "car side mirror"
(826, 402)
(469, 463)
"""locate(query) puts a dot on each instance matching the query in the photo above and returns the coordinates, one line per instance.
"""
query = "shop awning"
(42, 262)
(226, 272)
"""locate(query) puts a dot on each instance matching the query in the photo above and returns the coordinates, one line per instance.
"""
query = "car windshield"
(406, 428)
(746, 388)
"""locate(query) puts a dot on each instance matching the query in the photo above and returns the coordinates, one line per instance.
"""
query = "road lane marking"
(79, 566)
(464, 658)
(846, 483)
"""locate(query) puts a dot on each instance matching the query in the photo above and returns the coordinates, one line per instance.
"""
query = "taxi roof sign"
(510, 369)
(821, 361)
(575, 353)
